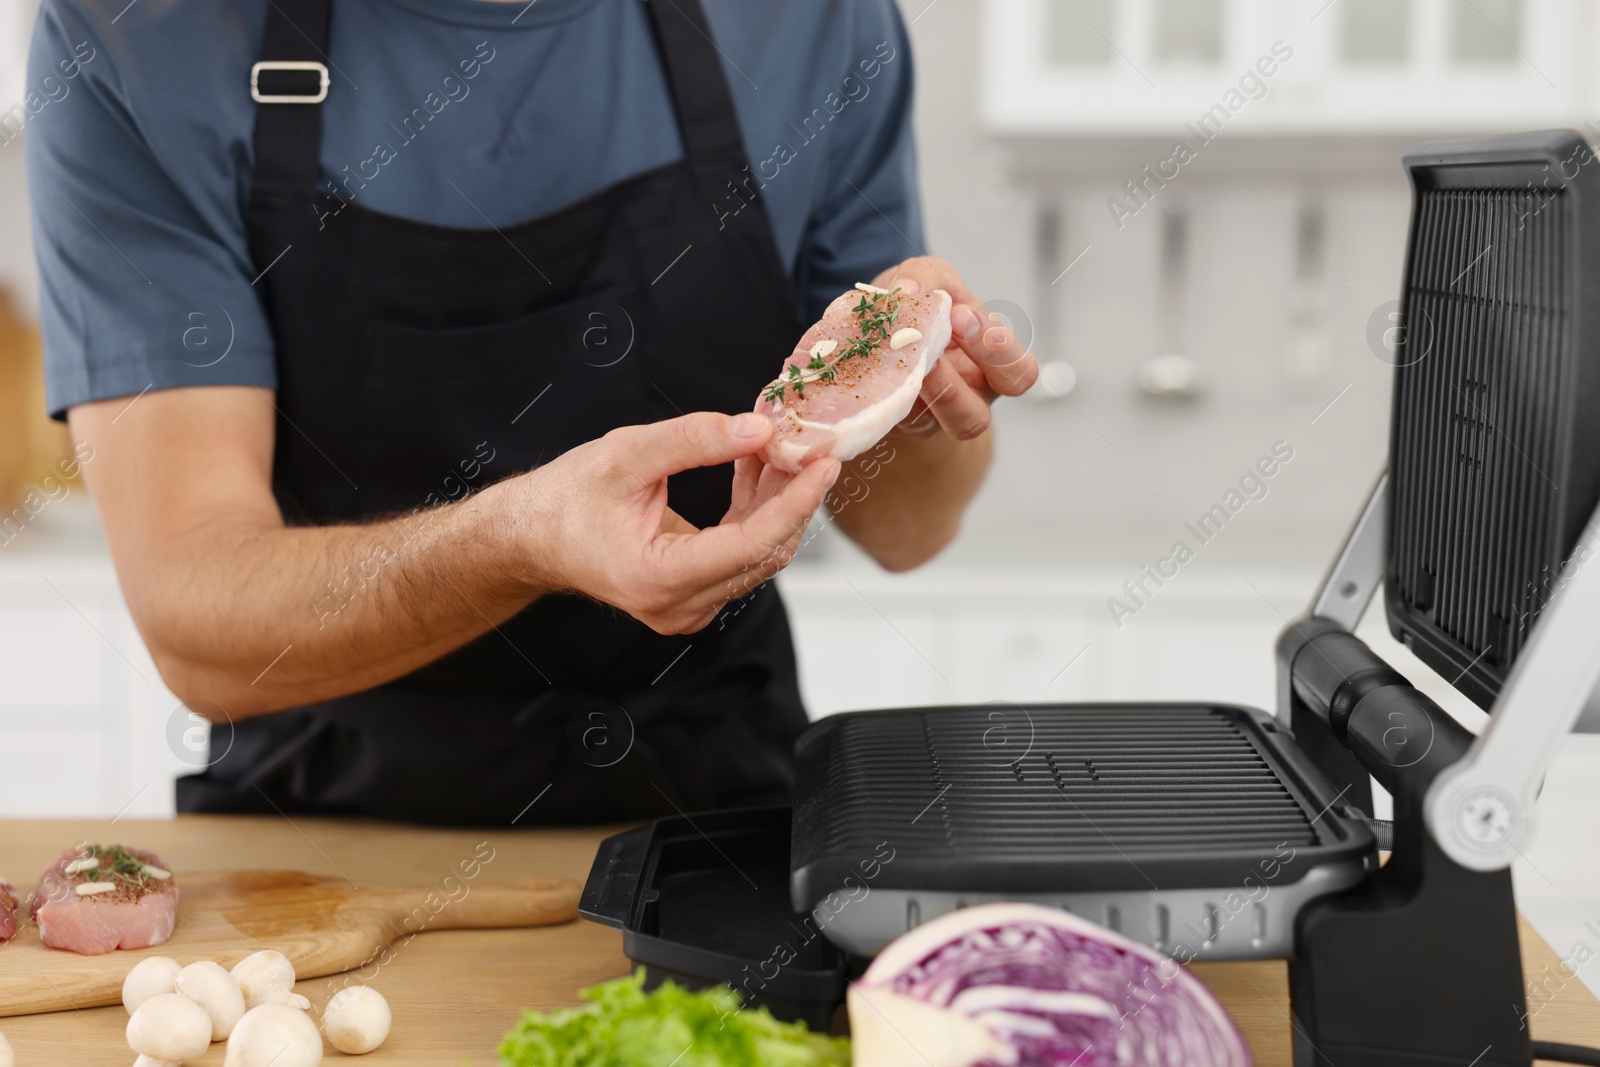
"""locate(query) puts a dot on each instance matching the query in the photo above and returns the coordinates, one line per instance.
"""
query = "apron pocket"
(446, 410)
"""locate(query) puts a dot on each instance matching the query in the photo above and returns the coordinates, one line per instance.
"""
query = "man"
(407, 334)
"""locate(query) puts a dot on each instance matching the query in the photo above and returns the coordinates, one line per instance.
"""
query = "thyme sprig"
(115, 862)
(875, 313)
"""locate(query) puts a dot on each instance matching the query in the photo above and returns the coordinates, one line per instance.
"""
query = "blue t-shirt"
(140, 154)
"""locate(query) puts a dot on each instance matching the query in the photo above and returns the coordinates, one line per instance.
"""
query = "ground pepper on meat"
(123, 867)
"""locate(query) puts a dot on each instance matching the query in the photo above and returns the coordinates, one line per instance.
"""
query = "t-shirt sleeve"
(145, 272)
(868, 215)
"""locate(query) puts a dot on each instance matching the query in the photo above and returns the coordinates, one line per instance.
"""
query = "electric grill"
(1221, 832)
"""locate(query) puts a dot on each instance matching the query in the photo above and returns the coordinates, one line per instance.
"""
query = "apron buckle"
(281, 98)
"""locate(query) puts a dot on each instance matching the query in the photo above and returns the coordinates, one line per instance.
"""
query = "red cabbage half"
(1019, 985)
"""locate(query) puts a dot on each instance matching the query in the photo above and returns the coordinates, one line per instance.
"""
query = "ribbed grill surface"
(1477, 414)
(1088, 783)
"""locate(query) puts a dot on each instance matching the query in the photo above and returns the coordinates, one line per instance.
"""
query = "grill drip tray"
(1196, 829)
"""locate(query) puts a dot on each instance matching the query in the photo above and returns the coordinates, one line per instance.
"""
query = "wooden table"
(454, 993)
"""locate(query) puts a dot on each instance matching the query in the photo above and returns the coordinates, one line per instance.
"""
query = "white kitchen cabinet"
(1016, 635)
(1218, 650)
(1027, 654)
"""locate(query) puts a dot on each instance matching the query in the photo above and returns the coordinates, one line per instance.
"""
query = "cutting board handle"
(486, 905)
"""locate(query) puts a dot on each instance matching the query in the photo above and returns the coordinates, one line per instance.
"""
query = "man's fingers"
(746, 478)
(784, 514)
(711, 558)
(921, 421)
(1009, 367)
(969, 372)
(961, 411)
(646, 454)
(754, 482)
(771, 484)
(749, 578)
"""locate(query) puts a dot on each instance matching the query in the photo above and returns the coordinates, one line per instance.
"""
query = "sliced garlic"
(157, 873)
(824, 349)
(88, 863)
(3, 880)
(94, 889)
(906, 336)
(865, 288)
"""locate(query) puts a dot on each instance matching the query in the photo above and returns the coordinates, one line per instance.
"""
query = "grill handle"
(1392, 730)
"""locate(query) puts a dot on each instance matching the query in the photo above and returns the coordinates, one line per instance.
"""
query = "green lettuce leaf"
(623, 1026)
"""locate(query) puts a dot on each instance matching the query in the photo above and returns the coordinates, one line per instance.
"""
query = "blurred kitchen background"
(1194, 310)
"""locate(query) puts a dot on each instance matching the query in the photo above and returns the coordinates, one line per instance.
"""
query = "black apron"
(419, 362)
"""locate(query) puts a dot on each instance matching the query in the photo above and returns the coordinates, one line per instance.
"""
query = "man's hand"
(245, 615)
(982, 361)
(904, 511)
(596, 519)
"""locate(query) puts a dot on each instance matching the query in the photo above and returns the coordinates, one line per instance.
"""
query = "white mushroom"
(263, 975)
(357, 1019)
(215, 990)
(294, 1000)
(157, 974)
(170, 1027)
(7, 1057)
(275, 1035)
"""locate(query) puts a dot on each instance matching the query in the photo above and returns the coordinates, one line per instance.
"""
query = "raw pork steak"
(854, 374)
(126, 899)
(8, 911)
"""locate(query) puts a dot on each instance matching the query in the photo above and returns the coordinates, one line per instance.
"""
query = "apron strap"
(289, 84)
(291, 80)
(693, 63)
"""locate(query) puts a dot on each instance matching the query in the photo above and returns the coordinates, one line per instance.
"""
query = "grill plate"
(1495, 448)
(1059, 798)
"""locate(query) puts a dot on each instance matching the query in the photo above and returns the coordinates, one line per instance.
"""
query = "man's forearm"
(249, 616)
(912, 499)
(253, 618)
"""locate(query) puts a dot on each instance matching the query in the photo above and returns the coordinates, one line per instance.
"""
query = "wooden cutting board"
(324, 926)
